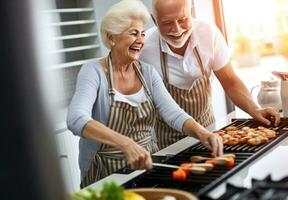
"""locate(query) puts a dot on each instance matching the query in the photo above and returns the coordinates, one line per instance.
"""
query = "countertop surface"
(273, 162)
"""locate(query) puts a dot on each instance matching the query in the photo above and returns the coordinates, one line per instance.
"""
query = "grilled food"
(252, 136)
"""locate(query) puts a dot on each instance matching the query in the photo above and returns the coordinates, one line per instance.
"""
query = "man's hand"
(267, 116)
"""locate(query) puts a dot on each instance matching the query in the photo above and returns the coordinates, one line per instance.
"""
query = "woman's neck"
(119, 62)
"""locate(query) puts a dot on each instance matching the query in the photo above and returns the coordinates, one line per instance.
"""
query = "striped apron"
(196, 102)
(134, 122)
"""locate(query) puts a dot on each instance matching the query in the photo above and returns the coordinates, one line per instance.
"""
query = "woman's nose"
(140, 38)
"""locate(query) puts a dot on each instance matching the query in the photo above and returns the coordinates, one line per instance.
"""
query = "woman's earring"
(112, 44)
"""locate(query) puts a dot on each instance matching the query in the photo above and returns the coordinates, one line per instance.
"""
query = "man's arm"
(241, 97)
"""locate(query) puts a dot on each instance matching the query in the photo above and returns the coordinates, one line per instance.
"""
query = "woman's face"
(129, 43)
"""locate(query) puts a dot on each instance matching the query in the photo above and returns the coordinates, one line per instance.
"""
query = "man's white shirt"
(184, 70)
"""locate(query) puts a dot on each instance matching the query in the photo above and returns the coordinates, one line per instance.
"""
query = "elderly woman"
(114, 107)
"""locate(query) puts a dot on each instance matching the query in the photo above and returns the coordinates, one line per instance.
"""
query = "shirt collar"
(165, 48)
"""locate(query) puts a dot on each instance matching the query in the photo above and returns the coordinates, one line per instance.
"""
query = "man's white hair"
(154, 12)
(120, 16)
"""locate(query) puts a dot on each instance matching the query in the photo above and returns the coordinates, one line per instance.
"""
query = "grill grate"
(201, 184)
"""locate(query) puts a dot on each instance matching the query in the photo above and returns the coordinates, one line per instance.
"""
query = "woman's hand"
(267, 116)
(136, 155)
(212, 142)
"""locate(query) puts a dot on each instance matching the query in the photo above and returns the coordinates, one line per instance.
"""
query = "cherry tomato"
(179, 174)
(230, 162)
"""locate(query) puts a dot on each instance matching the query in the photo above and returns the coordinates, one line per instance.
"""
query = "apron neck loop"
(163, 61)
(137, 67)
(164, 66)
(110, 77)
(199, 60)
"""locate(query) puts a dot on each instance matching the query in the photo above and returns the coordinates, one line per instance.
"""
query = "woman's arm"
(80, 122)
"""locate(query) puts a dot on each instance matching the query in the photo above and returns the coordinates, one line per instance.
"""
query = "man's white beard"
(178, 44)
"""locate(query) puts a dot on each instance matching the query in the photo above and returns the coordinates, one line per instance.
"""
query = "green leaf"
(86, 194)
(112, 191)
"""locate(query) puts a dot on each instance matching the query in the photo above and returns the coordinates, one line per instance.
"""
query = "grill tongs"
(196, 168)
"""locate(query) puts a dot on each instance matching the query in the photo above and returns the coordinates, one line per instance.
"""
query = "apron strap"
(137, 66)
(198, 57)
(110, 76)
(163, 61)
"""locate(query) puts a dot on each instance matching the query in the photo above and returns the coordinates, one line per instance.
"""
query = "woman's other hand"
(211, 141)
(137, 156)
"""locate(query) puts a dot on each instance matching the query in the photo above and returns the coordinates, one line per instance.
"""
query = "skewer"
(203, 158)
(193, 169)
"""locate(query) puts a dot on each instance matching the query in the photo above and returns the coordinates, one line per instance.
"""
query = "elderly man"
(186, 52)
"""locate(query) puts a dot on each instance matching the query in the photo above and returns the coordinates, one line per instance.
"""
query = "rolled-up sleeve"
(80, 108)
(221, 53)
(172, 114)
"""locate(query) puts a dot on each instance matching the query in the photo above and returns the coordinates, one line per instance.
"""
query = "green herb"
(109, 191)
(86, 194)
(112, 191)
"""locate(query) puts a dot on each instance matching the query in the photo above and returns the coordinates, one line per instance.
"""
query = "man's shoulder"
(151, 45)
(152, 36)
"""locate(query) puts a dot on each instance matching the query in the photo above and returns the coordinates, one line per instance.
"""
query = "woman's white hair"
(120, 16)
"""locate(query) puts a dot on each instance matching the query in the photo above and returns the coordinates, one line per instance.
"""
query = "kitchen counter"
(259, 168)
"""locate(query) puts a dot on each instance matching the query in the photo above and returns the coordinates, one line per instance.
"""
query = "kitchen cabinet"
(74, 41)
(67, 147)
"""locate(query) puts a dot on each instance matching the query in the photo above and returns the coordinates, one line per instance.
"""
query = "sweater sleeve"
(172, 114)
(80, 108)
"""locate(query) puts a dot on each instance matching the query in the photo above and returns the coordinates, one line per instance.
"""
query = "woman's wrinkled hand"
(267, 116)
(137, 156)
(212, 142)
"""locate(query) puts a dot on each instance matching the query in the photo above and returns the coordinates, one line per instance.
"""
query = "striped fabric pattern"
(133, 122)
(196, 102)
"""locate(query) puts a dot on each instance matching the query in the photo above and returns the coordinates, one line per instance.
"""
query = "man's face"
(174, 21)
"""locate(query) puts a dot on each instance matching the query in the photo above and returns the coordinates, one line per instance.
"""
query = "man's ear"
(154, 21)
